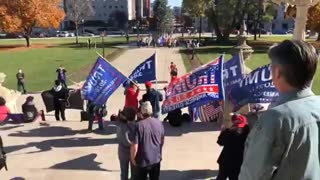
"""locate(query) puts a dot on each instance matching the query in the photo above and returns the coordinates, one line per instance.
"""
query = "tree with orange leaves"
(22, 16)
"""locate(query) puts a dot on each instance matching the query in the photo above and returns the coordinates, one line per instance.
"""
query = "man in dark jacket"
(20, 78)
(60, 95)
(154, 97)
(96, 111)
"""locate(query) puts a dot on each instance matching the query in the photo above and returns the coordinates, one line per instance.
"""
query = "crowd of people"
(283, 144)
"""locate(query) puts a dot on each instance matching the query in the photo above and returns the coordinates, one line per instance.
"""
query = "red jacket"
(132, 98)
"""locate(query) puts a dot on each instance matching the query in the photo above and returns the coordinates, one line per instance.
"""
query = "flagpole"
(156, 68)
(243, 71)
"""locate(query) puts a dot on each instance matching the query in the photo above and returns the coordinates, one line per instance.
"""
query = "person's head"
(171, 63)
(19, 70)
(57, 82)
(29, 99)
(61, 67)
(146, 109)
(2, 101)
(294, 64)
(128, 114)
(144, 98)
(148, 85)
(239, 121)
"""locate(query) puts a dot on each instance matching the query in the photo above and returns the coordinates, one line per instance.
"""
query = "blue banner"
(232, 72)
(196, 88)
(102, 81)
(256, 87)
(146, 71)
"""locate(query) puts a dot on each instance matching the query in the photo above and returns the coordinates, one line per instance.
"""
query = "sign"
(196, 88)
(256, 87)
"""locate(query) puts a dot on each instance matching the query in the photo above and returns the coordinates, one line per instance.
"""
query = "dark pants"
(225, 173)
(63, 82)
(124, 159)
(91, 119)
(21, 87)
(60, 108)
(153, 171)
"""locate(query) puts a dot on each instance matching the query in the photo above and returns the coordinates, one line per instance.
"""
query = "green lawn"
(39, 64)
(259, 58)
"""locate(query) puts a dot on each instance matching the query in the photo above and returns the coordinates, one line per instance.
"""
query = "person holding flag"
(132, 94)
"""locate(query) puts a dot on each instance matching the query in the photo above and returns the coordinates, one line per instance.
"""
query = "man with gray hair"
(146, 148)
(284, 144)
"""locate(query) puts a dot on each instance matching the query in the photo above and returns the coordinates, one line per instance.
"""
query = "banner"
(146, 71)
(232, 71)
(196, 88)
(102, 81)
(73, 101)
(256, 87)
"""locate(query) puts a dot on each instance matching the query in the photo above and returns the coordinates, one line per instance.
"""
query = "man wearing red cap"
(232, 140)
(132, 94)
(154, 97)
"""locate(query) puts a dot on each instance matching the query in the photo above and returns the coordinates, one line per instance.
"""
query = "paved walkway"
(61, 150)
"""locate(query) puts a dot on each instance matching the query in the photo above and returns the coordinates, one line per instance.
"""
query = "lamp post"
(301, 18)
(102, 36)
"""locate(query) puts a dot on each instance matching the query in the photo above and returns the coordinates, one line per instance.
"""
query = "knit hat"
(148, 84)
(30, 98)
(146, 108)
(239, 120)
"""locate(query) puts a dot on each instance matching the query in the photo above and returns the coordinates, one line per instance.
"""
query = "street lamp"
(301, 18)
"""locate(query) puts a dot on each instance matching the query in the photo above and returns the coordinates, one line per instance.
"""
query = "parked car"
(87, 34)
(71, 34)
(62, 34)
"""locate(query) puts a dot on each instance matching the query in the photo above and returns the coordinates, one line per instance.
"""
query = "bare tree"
(77, 11)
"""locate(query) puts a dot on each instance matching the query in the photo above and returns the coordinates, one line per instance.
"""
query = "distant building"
(280, 25)
(177, 11)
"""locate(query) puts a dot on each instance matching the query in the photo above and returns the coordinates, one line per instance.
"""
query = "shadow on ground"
(47, 145)
(189, 175)
(190, 128)
(82, 163)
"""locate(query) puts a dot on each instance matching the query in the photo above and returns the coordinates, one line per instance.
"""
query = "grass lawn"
(259, 57)
(40, 64)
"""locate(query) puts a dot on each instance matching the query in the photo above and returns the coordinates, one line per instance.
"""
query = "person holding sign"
(284, 143)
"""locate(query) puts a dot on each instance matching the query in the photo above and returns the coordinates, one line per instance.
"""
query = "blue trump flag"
(256, 87)
(102, 81)
(146, 71)
(196, 88)
(232, 71)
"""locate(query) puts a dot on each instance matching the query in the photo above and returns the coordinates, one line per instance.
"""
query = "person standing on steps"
(154, 96)
(132, 94)
(95, 112)
(62, 75)
(146, 148)
(21, 82)
(60, 95)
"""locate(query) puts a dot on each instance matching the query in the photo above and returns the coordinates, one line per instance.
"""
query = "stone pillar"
(9, 95)
(301, 21)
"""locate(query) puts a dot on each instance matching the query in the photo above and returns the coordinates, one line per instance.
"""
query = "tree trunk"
(77, 34)
(200, 29)
(255, 29)
(318, 39)
(27, 37)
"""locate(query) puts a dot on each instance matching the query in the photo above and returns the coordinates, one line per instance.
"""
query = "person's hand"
(134, 163)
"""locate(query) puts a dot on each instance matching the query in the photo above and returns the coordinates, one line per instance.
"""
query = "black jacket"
(233, 141)
(30, 111)
(154, 97)
(60, 95)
